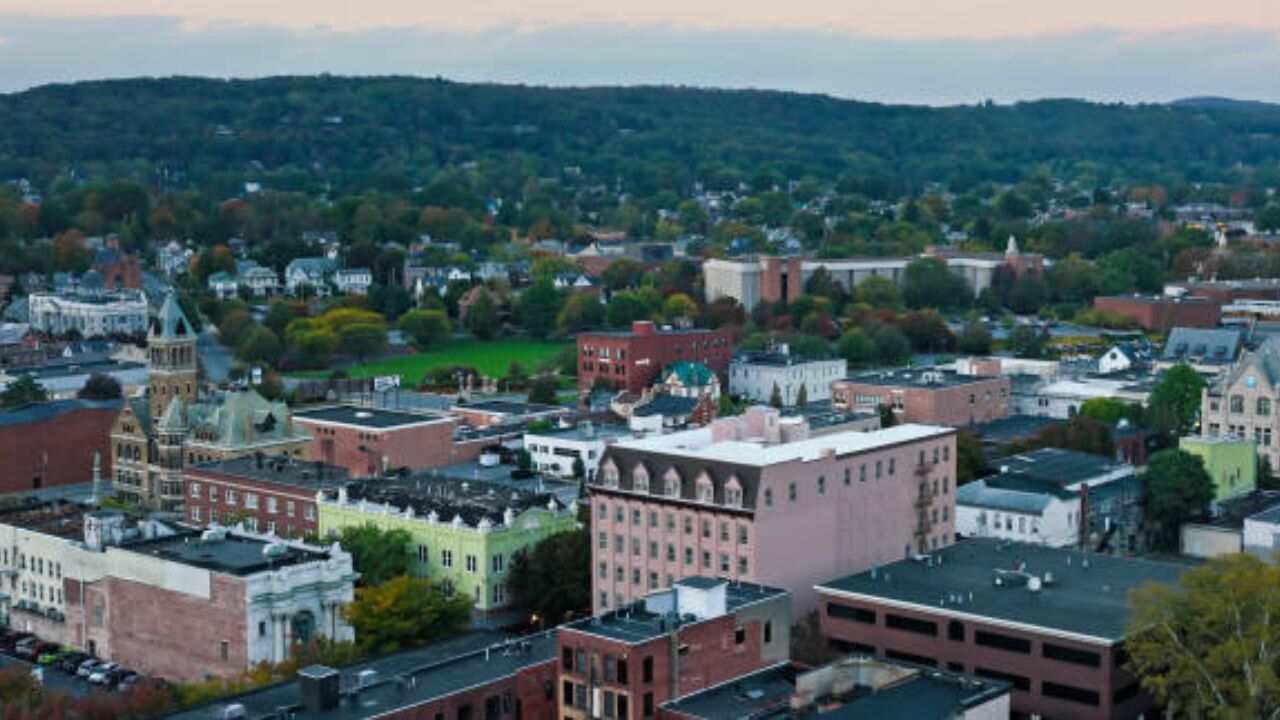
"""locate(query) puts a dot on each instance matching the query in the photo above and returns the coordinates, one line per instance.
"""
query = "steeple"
(170, 323)
(171, 354)
(1012, 247)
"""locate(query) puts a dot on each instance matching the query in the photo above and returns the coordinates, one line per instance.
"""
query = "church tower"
(171, 352)
(171, 433)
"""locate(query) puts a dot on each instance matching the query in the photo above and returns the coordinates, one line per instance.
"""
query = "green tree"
(312, 348)
(971, 460)
(552, 580)
(1028, 294)
(233, 327)
(543, 390)
(100, 386)
(538, 307)
(802, 396)
(362, 340)
(856, 348)
(259, 346)
(1268, 219)
(1206, 648)
(1178, 489)
(378, 555)
(22, 392)
(679, 306)
(1026, 341)
(879, 292)
(625, 307)
(282, 312)
(405, 612)
(580, 312)
(892, 346)
(974, 338)
(482, 317)
(1111, 410)
(775, 397)
(427, 328)
(1175, 400)
(929, 283)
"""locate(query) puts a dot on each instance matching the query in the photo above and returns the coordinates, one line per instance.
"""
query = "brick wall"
(63, 454)
(360, 450)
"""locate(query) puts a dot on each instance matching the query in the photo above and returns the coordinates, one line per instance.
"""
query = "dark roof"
(767, 357)
(929, 695)
(42, 412)
(1088, 594)
(918, 377)
(1231, 512)
(278, 469)
(1205, 346)
(372, 418)
(448, 497)
(1064, 467)
(689, 468)
(230, 554)
(439, 670)
(635, 625)
(1014, 427)
(509, 407)
(666, 405)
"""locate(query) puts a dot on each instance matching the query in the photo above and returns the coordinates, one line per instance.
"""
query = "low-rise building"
(1063, 398)
(1223, 532)
(575, 451)
(1231, 461)
(464, 534)
(309, 274)
(760, 498)
(1262, 534)
(1052, 622)
(633, 360)
(754, 376)
(1019, 508)
(353, 281)
(223, 285)
(54, 444)
(929, 395)
(165, 600)
(261, 281)
(367, 442)
(1206, 351)
(689, 379)
(275, 495)
(481, 414)
(1161, 313)
(91, 313)
(1244, 402)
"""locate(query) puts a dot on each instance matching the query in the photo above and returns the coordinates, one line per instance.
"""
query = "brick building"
(1160, 313)
(1050, 621)
(633, 360)
(763, 498)
(275, 494)
(365, 440)
(119, 269)
(165, 600)
(70, 434)
(928, 395)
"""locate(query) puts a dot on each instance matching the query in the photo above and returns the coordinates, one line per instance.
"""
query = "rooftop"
(584, 431)
(278, 469)
(509, 407)
(879, 689)
(367, 418)
(1015, 427)
(1156, 299)
(41, 412)
(60, 518)
(1205, 346)
(776, 358)
(223, 552)
(427, 493)
(635, 624)
(1086, 595)
(399, 681)
(918, 377)
(1063, 467)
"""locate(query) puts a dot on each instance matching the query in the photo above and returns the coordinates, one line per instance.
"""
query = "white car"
(87, 667)
(102, 674)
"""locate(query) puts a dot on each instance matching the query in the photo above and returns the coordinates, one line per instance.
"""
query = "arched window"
(610, 474)
(671, 483)
(733, 492)
(640, 478)
(706, 491)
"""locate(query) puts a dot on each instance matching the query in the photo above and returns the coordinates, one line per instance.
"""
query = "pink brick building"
(930, 396)
(759, 498)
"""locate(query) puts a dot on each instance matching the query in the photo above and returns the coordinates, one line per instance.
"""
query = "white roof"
(697, 444)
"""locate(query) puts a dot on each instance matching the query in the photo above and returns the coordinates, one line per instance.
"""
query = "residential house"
(353, 281)
(1206, 351)
(313, 273)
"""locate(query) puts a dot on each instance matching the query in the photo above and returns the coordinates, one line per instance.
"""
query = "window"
(1264, 406)
(847, 612)
(706, 529)
(688, 556)
(231, 496)
(768, 497)
(653, 550)
(1237, 404)
(288, 508)
(822, 485)
(910, 658)
(862, 473)
(724, 563)
(742, 565)
(251, 501)
(901, 622)
(195, 490)
(1070, 693)
(768, 631)
(892, 464)
(309, 512)
(791, 492)
(635, 518)
(271, 505)
(213, 494)
(1020, 682)
(646, 670)
(446, 558)
(224, 649)
(1007, 643)
(622, 674)
(498, 563)
(1071, 655)
(739, 636)
(603, 541)
(742, 534)
(706, 559)
(955, 631)
(879, 463)
(848, 476)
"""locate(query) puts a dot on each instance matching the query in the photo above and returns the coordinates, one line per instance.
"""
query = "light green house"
(464, 534)
(1231, 461)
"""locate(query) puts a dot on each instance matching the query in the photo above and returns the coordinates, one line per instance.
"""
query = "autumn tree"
(426, 328)
(405, 612)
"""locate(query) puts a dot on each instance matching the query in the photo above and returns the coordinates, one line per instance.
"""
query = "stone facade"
(1245, 403)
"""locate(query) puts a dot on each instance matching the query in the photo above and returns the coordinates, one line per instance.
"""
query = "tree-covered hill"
(392, 133)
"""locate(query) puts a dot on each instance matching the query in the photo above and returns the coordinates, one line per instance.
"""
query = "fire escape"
(923, 501)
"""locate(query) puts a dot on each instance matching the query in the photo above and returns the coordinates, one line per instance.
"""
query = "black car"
(71, 662)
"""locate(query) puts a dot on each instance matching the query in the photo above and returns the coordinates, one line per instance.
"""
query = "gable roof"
(170, 322)
(689, 374)
(657, 465)
(1207, 346)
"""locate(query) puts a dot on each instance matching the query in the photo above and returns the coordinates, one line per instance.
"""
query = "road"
(54, 679)
(215, 358)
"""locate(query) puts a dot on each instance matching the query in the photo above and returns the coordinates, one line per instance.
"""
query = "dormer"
(640, 478)
(671, 483)
(609, 474)
(706, 490)
(733, 492)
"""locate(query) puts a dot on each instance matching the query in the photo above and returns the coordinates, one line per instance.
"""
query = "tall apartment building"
(929, 395)
(759, 498)
(633, 360)
(1244, 402)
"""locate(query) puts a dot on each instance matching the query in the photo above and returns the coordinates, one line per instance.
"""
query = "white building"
(1022, 515)
(1262, 533)
(91, 313)
(1062, 399)
(753, 375)
(173, 259)
(353, 281)
(261, 281)
(1118, 359)
(312, 272)
(554, 451)
(223, 285)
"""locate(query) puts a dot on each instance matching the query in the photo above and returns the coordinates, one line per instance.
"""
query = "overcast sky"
(916, 51)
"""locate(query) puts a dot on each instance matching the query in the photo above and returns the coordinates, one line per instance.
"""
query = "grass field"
(488, 358)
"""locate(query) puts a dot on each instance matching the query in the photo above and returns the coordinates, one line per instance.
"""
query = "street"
(215, 358)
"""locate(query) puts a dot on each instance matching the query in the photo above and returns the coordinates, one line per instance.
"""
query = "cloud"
(1096, 64)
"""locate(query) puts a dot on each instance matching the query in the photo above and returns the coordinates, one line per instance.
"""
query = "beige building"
(1243, 402)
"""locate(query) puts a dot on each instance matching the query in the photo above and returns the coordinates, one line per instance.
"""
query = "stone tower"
(171, 433)
(171, 352)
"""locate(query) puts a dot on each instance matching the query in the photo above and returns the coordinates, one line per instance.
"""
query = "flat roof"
(1014, 427)
(1087, 598)
(508, 407)
(448, 497)
(401, 681)
(230, 554)
(369, 418)
(1064, 467)
(277, 469)
(777, 359)
(1271, 515)
(919, 377)
(698, 444)
(923, 695)
(634, 624)
(581, 431)
(60, 518)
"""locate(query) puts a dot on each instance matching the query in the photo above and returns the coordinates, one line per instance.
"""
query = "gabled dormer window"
(671, 483)
(706, 491)
(610, 475)
(640, 479)
(733, 493)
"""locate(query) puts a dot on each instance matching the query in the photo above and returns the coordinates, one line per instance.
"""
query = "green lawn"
(488, 358)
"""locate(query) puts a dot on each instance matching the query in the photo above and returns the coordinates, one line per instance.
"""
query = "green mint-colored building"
(464, 533)
(1231, 461)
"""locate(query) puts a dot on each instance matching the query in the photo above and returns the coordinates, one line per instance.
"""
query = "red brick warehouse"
(633, 360)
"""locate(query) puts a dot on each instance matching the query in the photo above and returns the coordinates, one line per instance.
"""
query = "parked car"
(87, 667)
(121, 678)
(26, 648)
(10, 638)
(70, 662)
(102, 674)
(51, 657)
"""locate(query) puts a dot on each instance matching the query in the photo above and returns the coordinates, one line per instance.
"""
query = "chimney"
(319, 686)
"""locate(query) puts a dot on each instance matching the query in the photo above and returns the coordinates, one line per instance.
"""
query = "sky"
(909, 51)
